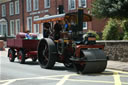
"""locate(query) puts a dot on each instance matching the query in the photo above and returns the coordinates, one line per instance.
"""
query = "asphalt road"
(31, 74)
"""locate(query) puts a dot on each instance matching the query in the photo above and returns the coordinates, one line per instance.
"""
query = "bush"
(110, 31)
(93, 32)
(124, 25)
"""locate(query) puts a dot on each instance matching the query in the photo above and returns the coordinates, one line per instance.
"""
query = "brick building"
(18, 15)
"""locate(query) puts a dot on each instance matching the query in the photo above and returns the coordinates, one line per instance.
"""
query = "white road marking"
(9, 82)
(61, 82)
(66, 78)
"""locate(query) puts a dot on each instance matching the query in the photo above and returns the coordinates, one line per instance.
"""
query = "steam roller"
(71, 47)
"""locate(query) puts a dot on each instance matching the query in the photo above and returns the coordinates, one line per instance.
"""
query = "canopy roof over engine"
(68, 16)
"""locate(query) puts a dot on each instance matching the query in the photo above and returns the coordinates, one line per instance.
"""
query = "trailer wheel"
(46, 53)
(11, 55)
(21, 57)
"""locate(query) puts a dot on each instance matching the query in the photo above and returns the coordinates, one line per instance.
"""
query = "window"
(36, 26)
(11, 8)
(3, 10)
(29, 24)
(35, 4)
(82, 3)
(47, 3)
(11, 27)
(72, 4)
(1, 30)
(17, 26)
(84, 25)
(17, 8)
(5, 29)
(29, 5)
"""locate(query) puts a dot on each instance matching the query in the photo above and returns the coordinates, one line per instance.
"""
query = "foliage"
(124, 25)
(111, 30)
(93, 32)
(110, 9)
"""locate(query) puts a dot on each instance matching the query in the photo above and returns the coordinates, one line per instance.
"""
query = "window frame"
(36, 25)
(3, 10)
(69, 5)
(29, 5)
(28, 27)
(85, 28)
(17, 8)
(1, 29)
(11, 8)
(17, 27)
(12, 33)
(80, 4)
(45, 3)
(34, 5)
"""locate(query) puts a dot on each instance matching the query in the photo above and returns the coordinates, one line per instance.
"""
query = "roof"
(68, 16)
(49, 18)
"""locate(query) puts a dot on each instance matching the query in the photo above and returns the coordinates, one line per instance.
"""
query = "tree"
(110, 9)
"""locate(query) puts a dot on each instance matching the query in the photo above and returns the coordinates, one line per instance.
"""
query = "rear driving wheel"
(11, 55)
(46, 53)
(21, 56)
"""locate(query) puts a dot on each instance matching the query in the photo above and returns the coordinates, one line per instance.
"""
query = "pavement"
(115, 65)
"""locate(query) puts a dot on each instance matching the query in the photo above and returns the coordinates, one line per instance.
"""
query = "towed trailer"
(71, 48)
(22, 48)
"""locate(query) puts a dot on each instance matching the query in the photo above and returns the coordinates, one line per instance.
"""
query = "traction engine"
(72, 49)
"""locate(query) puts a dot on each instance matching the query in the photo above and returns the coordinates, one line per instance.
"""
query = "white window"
(17, 8)
(11, 27)
(29, 5)
(29, 24)
(47, 3)
(72, 4)
(1, 30)
(3, 10)
(11, 8)
(17, 26)
(5, 29)
(82, 3)
(84, 25)
(35, 4)
(36, 26)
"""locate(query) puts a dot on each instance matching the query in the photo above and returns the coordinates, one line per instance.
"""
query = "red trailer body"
(22, 48)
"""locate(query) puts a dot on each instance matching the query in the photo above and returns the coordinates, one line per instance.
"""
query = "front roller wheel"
(93, 61)
(11, 55)
(46, 53)
(21, 56)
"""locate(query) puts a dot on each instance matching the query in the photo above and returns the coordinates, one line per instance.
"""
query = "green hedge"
(110, 31)
(124, 25)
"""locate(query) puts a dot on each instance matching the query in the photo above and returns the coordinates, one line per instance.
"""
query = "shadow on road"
(29, 63)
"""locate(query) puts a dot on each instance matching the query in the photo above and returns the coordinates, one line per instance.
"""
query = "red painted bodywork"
(29, 46)
(79, 47)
